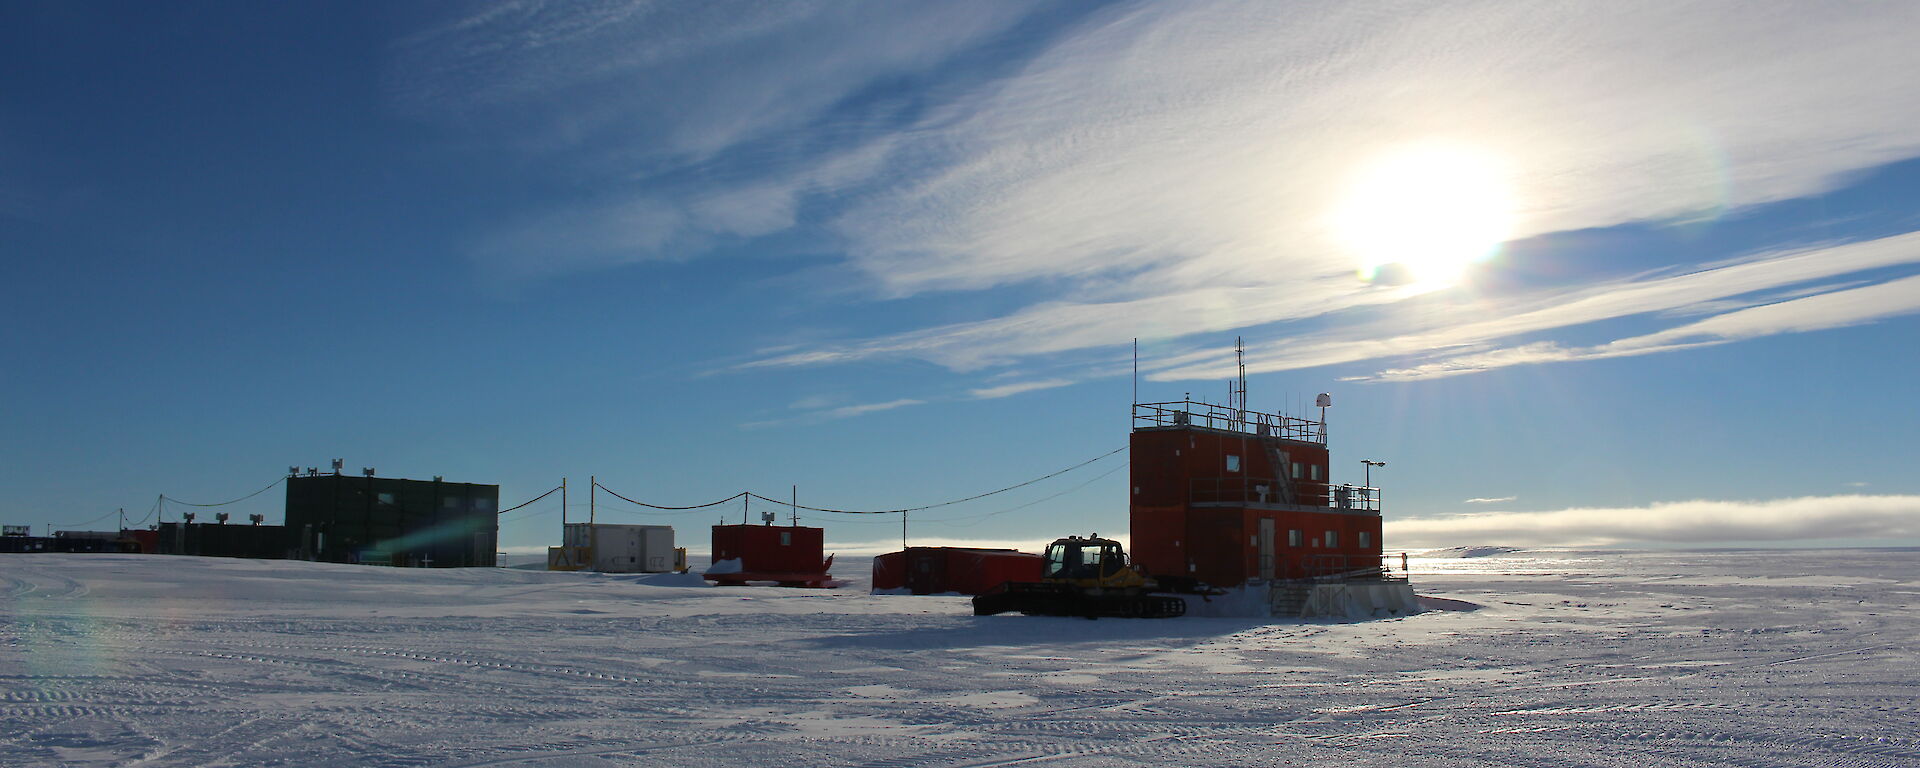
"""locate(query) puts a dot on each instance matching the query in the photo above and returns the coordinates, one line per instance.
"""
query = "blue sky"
(1630, 273)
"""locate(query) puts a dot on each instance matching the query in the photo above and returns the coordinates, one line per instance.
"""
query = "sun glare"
(1425, 214)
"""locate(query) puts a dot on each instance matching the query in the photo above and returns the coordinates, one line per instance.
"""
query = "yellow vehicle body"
(1088, 577)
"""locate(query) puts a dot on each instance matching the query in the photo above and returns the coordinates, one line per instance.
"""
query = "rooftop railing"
(1233, 490)
(1181, 413)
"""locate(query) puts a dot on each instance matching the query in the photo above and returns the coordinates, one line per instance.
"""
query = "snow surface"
(1571, 659)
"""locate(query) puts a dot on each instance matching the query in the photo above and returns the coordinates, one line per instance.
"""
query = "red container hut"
(1227, 495)
(787, 554)
(143, 541)
(964, 570)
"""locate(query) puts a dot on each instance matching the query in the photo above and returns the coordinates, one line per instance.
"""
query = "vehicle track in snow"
(1663, 673)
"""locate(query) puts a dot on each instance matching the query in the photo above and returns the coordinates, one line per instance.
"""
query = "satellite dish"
(1323, 400)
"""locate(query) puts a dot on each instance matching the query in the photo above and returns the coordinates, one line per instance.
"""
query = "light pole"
(1369, 470)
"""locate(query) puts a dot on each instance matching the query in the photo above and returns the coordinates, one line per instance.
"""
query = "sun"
(1424, 214)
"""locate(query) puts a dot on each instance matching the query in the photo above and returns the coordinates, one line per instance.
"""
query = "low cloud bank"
(1810, 518)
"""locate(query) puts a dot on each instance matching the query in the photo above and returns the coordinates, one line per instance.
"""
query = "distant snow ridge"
(1480, 551)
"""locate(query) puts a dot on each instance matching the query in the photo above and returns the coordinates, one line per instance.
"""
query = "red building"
(1228, 495)
(787, 554)
(968, 571)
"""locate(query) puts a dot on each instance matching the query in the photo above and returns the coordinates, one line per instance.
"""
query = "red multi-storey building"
(1228, 495)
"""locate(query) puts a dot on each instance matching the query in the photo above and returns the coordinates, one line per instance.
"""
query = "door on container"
(1266, 547)
(927, 573)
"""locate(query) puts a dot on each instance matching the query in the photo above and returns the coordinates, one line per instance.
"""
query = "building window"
(1333, 538)
(786, 538)
(1316, 471)
(1365, 541)
(1294, 538)
(1298, 470)
(483, 505)
(449, 502)
(1233, 463)
(386, 498)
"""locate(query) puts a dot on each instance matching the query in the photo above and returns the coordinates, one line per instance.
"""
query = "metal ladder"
(1282, 471)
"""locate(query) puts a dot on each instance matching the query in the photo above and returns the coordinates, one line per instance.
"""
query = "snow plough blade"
(1044, 599)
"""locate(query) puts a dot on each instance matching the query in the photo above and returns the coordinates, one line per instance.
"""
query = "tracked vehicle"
(1088, 577)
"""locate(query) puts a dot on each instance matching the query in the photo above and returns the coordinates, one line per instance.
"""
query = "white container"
(624, 548)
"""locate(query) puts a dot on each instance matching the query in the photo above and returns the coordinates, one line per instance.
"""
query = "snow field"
(1577, 658)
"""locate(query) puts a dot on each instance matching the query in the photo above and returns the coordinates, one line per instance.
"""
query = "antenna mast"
(1240, 359)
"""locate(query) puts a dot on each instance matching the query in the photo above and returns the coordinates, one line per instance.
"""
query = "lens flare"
(1424, 214)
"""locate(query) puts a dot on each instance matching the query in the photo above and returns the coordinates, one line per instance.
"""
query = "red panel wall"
(1159, 538)
(1312, 557)
(1214, 546)
(1176, 468)
(934, 570)
(770, 548)
(1159, 475)
(973, 572)
(890, 571)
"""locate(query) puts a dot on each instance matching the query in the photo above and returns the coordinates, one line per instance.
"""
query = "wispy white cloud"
(1473, 329)
(831, 414)
(1824, 311)
(1165, 170)
(1171, 190)
(1008, 390)
(865, 408)
(648, 79)
(1808, 519)
(1190, 142)
(1491, 500)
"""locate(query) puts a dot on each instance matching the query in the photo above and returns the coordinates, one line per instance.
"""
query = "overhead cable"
(90, 522)
(944, 503)
(529, 501)
(954, 522)
(616, 494)
(224, 503)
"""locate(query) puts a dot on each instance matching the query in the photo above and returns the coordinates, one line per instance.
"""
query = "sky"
(1631, 273)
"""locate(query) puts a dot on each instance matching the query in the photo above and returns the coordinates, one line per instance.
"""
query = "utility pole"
(903, 530)
(796, 506)
(563, 507)
(593, 495)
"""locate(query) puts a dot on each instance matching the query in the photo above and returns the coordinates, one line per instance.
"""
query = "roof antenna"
(1240, 357)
